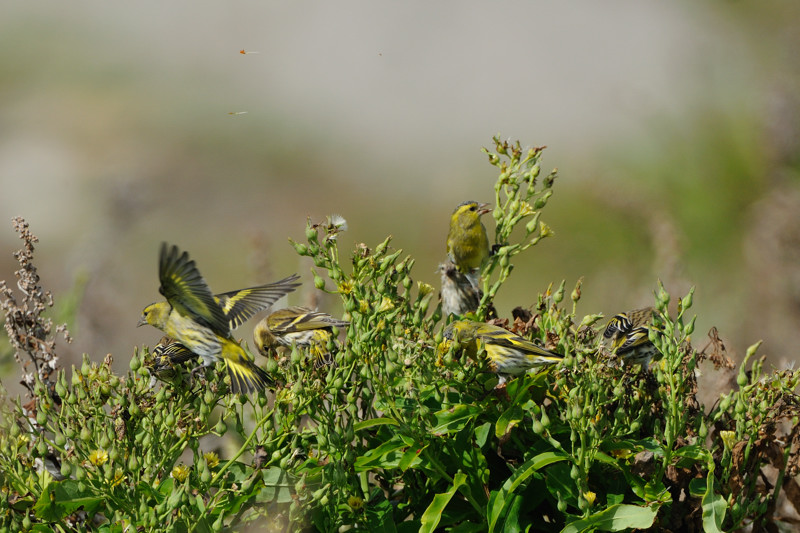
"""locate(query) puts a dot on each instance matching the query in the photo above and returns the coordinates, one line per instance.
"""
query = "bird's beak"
(142, 321)
(484, 208)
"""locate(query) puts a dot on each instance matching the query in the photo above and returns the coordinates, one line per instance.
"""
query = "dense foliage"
(404, 434)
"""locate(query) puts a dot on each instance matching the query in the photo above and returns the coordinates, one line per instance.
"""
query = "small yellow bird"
(467, 241)
(299, 326)
(508, 354)
(629, 336)
(201, 322)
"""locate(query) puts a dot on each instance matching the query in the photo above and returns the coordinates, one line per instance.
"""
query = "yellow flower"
(385, 305)
(590, 497)
(526, 209)
(212, 459)
(728, 439)
(119, 477)
(98, 457)
(180, 473)
(355, 502)
(424, 289)
(346, 287)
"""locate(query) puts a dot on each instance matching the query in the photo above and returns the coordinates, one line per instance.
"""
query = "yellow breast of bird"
(199, 339)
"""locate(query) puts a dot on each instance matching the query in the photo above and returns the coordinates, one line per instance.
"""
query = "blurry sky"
(664, 120)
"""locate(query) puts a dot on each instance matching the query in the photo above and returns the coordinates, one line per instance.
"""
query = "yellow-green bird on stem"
(299, 326)
(508, 354)
(202, 322)
(467, 241)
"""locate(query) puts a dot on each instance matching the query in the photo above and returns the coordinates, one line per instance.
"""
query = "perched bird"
(508, 354)
(628, 336)
(299, 326)
(459, 296)
(467, 242)
(201, 322)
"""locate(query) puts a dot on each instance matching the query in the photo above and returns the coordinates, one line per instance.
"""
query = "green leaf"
(278, 486)
(510, 418)
(714, 507)
(380, 517)
(560, 485)
(615, 518)
(656, 491)
(61, 498)
(238, 471)
(500, 500)
(410, 458)
(698, 487)
(454, 419)
(373, 422)
(432, 515)
(387, 455)
(482, 434)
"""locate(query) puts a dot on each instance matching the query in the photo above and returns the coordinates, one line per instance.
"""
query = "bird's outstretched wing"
(240, 305)
(187, 292)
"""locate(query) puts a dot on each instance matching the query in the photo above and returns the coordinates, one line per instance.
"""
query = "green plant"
(404, 434)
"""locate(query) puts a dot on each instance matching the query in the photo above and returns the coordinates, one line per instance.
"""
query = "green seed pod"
(741, 379)
(41, 447)
(542, 200)
(86, 367)
(575, 473)
(66, 469)
(300, 248)
(41, 417)
(311, 233)
(85, 435)
(221, 428)
(318, 281)
(703, 431)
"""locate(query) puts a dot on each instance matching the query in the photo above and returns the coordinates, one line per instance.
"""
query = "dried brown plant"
(31, 334)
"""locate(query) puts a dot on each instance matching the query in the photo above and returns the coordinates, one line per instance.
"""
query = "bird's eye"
(473, 207)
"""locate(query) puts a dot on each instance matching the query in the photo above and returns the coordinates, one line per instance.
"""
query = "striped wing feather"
(239, 306)
(187, 292)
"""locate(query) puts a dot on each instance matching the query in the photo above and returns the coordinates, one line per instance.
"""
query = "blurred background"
(675, 128)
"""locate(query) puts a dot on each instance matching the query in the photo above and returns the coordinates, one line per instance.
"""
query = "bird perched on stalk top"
(299, 326)
(467, 242)
(202, 322)
(628, 335)
(508, 354)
